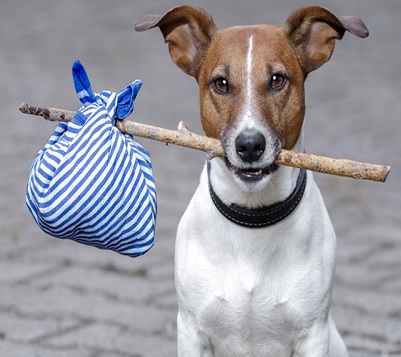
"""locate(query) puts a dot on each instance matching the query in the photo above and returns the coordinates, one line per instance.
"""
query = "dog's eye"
(220, 85)
(278, 81)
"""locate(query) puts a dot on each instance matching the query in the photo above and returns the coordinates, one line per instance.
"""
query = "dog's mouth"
(252, 174)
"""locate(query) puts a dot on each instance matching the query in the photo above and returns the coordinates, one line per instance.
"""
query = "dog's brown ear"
(188, 32)
(313, 30)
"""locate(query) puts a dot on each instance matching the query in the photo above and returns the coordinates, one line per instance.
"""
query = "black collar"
(260, 217)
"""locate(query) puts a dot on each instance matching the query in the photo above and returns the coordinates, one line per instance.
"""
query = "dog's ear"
(313, 30)
(188, 32)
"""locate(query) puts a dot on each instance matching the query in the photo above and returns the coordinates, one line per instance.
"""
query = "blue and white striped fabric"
(91, 183)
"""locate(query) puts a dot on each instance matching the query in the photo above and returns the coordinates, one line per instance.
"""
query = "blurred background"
(58, 298)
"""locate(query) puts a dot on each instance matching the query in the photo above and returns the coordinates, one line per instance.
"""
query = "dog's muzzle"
(253, 155)
(250, 145)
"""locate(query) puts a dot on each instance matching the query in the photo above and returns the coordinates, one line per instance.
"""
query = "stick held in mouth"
(186, 138)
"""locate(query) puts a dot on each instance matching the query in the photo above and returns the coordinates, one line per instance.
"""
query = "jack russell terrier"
(255, 249)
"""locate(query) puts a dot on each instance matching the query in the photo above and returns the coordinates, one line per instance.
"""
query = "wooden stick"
(213, 147)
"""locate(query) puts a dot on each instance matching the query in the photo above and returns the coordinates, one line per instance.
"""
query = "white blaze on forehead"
(247, 120)
(249, 70)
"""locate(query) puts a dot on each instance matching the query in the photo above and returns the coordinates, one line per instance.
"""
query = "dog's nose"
(250, 145)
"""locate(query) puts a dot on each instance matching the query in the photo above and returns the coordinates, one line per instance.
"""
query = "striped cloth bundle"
(91, 183)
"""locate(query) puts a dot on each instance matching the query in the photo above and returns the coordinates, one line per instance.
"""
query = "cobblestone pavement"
(59, 299)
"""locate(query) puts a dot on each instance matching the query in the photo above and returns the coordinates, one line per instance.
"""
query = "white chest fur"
(252, 291)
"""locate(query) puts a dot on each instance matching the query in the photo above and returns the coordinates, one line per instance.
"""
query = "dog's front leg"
(190, 342)
(314, 342)
(321, 340)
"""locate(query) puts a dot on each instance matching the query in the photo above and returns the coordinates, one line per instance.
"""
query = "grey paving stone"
(10, 349)
(115, 339)
(25, 329)
(13, 272)
(130, 287)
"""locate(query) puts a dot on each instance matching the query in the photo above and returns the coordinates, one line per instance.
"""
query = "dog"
(255, 248)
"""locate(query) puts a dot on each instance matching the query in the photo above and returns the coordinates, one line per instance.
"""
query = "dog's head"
(251, 78)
